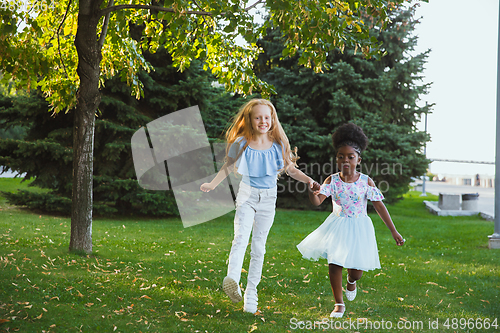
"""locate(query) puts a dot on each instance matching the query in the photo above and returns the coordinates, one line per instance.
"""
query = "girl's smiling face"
(261, 119)
(347, 159)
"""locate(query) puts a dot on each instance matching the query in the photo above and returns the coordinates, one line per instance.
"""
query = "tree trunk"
(88, 99)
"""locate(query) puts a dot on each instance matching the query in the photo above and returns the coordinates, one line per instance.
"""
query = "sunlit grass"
(154, 275)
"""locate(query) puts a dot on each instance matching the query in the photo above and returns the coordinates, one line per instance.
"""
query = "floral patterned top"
(350, 199)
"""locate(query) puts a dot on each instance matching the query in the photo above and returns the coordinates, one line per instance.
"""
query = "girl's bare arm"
(315, 197)
(221, 175)
(386, 217)
(299, 175)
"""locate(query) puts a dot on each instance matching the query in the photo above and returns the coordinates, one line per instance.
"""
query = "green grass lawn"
(152, 275)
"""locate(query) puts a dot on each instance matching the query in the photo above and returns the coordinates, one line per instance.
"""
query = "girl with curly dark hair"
(347, 237)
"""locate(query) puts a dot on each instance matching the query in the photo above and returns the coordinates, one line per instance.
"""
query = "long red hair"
(241, 126)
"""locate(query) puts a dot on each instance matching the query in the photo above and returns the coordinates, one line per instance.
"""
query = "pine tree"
(379, 95)
(45, 154)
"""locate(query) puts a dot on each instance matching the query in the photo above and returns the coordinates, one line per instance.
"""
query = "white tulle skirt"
(345, 241)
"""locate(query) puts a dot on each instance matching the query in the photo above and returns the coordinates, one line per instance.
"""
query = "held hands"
(206, 187)
(314, 186)
(398, 238)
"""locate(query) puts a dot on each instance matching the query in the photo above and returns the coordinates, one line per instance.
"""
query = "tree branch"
(107, 10)
(105, 26)
(254, 5)
(58, 40)
(196, 3)
(111, 8)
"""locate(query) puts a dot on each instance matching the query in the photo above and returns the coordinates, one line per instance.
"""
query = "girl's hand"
(206, 187)
(314, 186)
(398, 238)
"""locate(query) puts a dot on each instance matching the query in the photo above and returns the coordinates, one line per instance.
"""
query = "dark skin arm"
(386, 217)
(314, 196)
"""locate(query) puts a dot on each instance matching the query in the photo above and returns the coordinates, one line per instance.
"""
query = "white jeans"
(255, 209)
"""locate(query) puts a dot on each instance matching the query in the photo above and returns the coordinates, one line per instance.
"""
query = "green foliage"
(379, 95)
(41, 51)
(46, 153)
(45, 202)
(69, 49)
(15, 133)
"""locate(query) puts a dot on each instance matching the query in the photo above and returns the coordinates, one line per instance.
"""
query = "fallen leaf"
(253, 328)
(180, 314)
(145, 296)
(4, 321)
(40, 316)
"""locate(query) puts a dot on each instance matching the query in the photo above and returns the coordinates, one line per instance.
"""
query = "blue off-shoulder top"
(258, 167)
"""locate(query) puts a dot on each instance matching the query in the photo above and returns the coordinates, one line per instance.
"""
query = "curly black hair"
(350, 135)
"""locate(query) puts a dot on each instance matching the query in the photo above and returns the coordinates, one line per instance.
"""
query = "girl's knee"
(355, 274)
(335, 269)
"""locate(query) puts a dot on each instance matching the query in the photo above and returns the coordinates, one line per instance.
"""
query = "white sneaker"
(232, 289)
(250, 303)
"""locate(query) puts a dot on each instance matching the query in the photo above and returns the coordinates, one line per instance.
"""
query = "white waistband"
(271, 190)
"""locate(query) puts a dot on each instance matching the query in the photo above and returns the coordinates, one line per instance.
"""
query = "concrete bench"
(449, 201)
